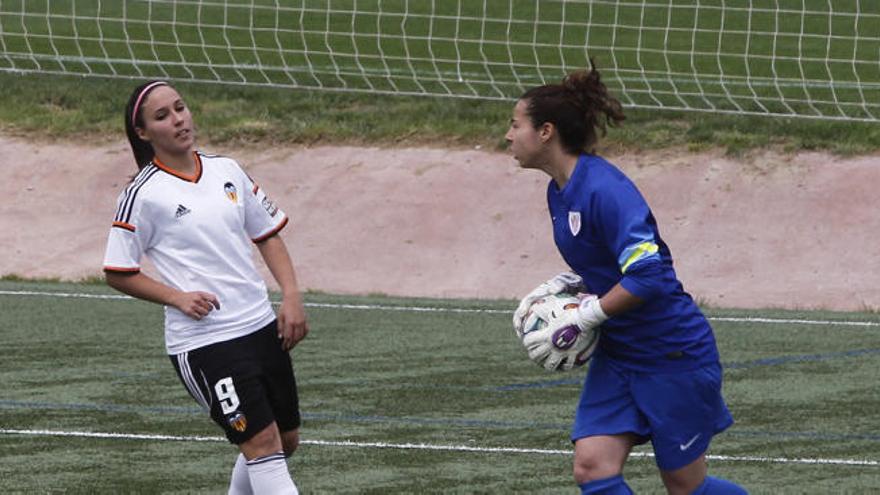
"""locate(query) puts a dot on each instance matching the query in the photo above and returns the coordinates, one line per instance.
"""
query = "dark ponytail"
(143, 151)
(578, 107)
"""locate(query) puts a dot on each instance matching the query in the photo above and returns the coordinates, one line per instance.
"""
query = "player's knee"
(290, 441)
(685, 480)
(265, 442)
(591, 467)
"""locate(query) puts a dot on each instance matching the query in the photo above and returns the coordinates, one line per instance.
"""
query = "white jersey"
(198, 231)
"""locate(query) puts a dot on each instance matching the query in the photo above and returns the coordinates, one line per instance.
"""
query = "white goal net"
(798, 58)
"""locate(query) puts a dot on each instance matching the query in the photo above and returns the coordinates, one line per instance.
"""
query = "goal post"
(795, 58)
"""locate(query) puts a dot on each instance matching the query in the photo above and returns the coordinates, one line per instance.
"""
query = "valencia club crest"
(238, 421)
(231, 193)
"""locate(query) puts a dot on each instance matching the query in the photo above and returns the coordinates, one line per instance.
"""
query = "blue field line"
(15, 404)
(799, 358)
(460, 422)
(806, 435)
(727, 366)
(541, 384)
(410, 420)
(349, 418)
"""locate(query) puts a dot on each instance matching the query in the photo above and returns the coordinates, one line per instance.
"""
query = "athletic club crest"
(231, 193)
(574, 222)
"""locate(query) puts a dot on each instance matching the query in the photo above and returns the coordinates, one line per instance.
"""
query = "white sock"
(269, 475)
(240, 484)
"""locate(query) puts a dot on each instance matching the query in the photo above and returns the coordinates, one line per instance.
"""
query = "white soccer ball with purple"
(561, 349)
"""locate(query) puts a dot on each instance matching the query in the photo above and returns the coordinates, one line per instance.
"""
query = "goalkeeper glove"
(588, 315)
(569, 338)
(564, 282)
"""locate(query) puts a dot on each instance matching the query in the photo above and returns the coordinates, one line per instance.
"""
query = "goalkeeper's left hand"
(588, 315)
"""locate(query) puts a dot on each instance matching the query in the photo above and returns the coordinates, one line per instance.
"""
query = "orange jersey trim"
(189, 178)
(271, 232)
(122, 270)
(126, 226)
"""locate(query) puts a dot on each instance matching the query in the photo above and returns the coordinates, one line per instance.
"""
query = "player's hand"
(589, 315)
(538, 346)
(566, 340)
(552, 346)
(197, 304)
(564, 282)
(292, 324)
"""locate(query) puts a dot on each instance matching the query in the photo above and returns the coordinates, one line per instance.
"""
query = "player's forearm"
(142, 287)
(274, 253)
(619, 300)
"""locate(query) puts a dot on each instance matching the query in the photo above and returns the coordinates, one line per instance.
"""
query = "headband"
(137, 103)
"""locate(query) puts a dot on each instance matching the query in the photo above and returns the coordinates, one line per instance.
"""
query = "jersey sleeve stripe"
(138, 179)
(637, 252)
(271, 232)
(131, 194)
(123, 214)
(126, 226)
(119, 269)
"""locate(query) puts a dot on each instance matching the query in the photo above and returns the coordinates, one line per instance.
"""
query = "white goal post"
(795, 58)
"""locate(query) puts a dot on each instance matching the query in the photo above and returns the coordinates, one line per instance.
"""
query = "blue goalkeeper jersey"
(606, 233)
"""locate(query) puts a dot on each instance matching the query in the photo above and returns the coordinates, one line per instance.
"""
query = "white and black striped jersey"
(199, 232)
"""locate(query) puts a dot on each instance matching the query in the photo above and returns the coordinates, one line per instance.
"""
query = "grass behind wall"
(67, 107)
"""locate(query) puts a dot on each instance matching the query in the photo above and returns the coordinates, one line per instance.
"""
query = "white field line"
(429, 309)
(424, 446)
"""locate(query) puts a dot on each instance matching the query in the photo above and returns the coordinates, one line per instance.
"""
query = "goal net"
(798, 58)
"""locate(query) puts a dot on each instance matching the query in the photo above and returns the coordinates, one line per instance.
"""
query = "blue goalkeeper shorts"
(678, 412)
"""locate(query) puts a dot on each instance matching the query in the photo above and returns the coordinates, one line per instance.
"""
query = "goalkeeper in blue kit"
(655, 374)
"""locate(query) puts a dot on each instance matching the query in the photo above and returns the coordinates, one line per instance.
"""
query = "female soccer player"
(196, 216)
(656, 373)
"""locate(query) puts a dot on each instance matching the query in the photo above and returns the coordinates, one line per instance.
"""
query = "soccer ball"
(561, 349)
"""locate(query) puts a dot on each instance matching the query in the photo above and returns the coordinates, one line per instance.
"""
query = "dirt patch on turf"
(769, 230)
